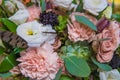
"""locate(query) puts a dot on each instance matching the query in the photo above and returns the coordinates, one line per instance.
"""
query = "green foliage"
(1, 50)
(77, 66)
(79, 49)
(43, 5)
(8, 24)
(17, 50)
(8, 63)
(116, 17)
(5, 75)
(80, 6)
(65, 77)
(85, 21)
(62, 23)
(104, 67)
(58, 74)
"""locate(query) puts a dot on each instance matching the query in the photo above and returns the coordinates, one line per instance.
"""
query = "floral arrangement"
(59, 40)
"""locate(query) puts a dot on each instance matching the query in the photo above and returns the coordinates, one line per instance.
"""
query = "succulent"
(76, 49)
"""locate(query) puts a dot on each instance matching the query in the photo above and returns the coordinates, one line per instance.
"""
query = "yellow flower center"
(30, 32)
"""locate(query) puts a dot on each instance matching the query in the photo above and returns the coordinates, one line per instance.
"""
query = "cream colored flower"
(13, 5)
(110, 75)
(20, 17)
(107, 12)
(65, 3)
(36, 34)
(94, 6)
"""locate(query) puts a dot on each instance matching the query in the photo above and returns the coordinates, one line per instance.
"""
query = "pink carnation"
(78, 31)
(40, 63)
(34, 12)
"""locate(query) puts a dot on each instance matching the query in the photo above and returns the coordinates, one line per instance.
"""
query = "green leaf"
(58, 74)
(65, 77)
(9, 24)
(5, 75)
(77, 66)
(80, 6)
(1, 50)
(85, 21)
(18, 50)
(113, 5)
(104, 67)
(8, 63)
(43, 3)
(116, 17)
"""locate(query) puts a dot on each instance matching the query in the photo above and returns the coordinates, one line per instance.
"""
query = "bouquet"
(59, 40)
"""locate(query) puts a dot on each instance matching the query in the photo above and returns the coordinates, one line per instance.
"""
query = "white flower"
(34, 33)
(94, 6)
(110, 75)
(65, 3)
(20, 17)
(10, 6)
(19, 4)
(13, 5)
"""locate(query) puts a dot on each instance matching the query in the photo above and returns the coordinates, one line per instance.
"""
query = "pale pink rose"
(106, 48)
(34, 12)
(56, 44)
(78, 31)
(40, 63)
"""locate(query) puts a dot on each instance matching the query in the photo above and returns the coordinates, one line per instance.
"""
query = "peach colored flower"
(78, 31)
(56, 44)
(40, 63)
(0, 2)
(34, 12)
(106, 48)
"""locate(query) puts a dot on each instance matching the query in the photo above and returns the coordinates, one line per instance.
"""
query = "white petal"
(94, 5)
(38, 37)
(20, 17)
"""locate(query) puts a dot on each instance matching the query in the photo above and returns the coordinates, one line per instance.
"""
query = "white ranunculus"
(94, 6)
(19, 4)
(34, 33)
(110, 75)
(20, 17)
(13, 5)
(10, 6)
(65, 3)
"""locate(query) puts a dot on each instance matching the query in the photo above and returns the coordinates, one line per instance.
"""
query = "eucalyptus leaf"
(43, 3)
(102, 66)
(9, 24)
(85, 21)
(58, 74)
(77, 66)
(8, 63)
(5, 75)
